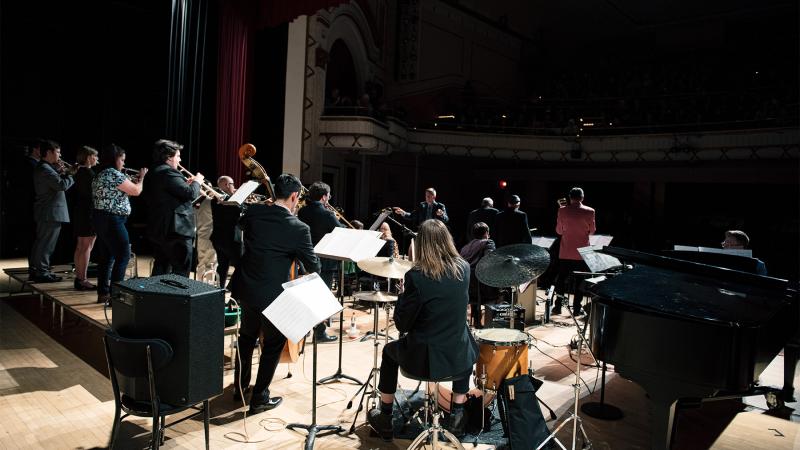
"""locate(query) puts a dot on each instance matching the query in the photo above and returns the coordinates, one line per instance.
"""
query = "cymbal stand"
(313, 428)
(372, 378)
(375, 334)
(339, 375)
(574, 417)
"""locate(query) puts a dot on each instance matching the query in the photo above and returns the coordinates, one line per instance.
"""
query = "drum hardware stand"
(375, 334)
(313, 428)
(372, 378)
(574, 417)
(339, 375)
(602, 410)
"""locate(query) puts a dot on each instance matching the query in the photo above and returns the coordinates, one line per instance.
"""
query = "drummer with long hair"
(431, 312)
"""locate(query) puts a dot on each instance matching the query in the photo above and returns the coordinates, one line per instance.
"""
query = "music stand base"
(338, 376)
(602, 411)
(313, 431)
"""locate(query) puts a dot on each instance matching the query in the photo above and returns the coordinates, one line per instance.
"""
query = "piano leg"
(663, 409)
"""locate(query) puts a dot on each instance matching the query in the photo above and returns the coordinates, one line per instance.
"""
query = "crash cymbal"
(375, 296)
(381, 266)
(512, 265)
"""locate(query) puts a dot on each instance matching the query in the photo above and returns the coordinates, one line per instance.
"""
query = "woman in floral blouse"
(111, 189)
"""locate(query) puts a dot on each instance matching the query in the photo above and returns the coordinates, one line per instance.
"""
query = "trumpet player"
(82, 216)
(226, 237)
(50, 181)
(321, 220)
(110, 191)
(171, 224)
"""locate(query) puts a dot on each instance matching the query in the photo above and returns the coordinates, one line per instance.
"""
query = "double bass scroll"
(246, 153)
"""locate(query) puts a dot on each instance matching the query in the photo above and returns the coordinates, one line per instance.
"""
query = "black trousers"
(390, 366)
(228, 254)
(253, 322)
(172, 254)
(567, 282)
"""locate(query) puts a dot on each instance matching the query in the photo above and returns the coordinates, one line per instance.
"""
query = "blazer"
(575, 223)
(433, 314)
(417, 216)
(51, 203)
(321, 221)
(511, 227)
(226, 223)
(485, 215)
(169, 203)
(273, 239)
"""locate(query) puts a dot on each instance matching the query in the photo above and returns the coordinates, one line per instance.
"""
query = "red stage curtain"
(238, 19)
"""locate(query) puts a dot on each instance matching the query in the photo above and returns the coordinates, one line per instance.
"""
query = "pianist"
(738, 240)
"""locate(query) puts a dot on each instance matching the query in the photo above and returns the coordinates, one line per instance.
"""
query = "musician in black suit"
(321, 221)
(169, 196)
(486, 214)
(432, 313)
(429, 209)
(273, 239)
(50, 181)
(226, 236)
(511, 225)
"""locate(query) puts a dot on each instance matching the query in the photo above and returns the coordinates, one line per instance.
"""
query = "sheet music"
(380, 219)
(303, 303)
(543, 241)
(725, 251)
(244, 191)
(600, 240)
(349, 244)
(598, 262)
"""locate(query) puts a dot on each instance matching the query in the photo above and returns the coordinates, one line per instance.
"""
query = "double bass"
(291, 350)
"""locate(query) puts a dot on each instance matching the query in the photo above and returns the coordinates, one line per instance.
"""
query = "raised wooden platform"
(49, 398)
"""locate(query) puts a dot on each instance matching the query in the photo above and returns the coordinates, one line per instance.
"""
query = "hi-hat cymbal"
(512, 265)
(375, 296)
(381, 266)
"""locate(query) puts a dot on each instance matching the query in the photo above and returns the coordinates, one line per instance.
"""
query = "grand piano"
(689, 331)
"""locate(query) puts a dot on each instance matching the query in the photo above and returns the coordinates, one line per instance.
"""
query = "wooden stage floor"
(54, 392)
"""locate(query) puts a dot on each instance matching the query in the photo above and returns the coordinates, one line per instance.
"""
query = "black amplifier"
(499, 316)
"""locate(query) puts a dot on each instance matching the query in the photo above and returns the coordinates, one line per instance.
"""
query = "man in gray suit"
(50, 180)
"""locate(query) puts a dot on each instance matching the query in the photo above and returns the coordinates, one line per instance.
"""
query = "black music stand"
(312, 428)
(339, 374)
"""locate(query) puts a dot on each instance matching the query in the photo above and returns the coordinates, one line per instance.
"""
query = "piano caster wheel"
(774, 401)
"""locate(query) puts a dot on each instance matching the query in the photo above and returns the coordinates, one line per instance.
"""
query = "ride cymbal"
(512, 265)
(381, 266)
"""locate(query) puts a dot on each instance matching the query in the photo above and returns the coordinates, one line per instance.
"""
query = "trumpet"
(132, 174)
(205, 187)
(68, 168)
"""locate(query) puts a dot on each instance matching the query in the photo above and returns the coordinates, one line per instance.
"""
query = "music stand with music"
(345, 244)
(304, 303)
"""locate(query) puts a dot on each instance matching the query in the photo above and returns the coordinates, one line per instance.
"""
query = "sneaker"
(381, 423)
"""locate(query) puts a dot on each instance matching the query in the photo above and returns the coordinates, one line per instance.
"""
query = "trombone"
(304, 198)
(205, 187)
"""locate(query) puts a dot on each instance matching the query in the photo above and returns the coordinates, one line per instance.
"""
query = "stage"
(54, 392)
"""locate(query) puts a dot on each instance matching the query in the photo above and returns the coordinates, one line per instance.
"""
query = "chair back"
(129, 356)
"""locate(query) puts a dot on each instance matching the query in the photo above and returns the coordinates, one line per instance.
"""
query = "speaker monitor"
(499, 316)
(189, 315)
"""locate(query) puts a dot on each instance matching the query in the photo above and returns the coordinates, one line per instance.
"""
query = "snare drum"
(503, 354)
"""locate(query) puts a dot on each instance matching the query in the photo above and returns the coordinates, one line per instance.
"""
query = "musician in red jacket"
(575, 223)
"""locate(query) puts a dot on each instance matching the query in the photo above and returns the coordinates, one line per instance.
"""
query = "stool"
(432, 406)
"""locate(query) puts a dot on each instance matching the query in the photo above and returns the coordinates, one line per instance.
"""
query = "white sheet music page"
(244, 191)
(600, 240)
(543, 241)
(303, 303)
(346, 243)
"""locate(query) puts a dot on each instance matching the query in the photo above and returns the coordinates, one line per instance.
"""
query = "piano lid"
(669, 286)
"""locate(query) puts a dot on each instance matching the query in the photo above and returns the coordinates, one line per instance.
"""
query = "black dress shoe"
(325, 337)
(103, 298)
(381, 423)
(458, 422)
(272, 403)
(46, 278)
(84, 285)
